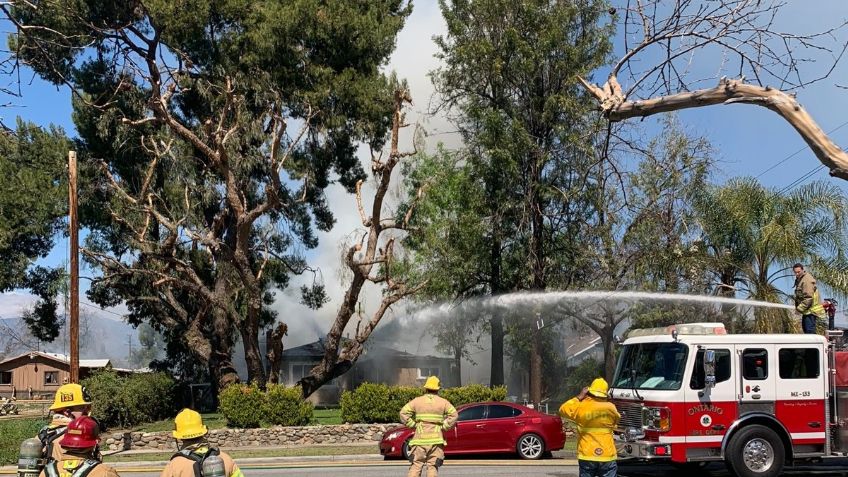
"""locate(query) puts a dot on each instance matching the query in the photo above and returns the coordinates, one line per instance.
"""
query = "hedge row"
(125, 401)
(247, 406)
(380, 403)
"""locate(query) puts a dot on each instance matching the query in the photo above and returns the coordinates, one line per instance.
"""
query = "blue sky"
(748, 139)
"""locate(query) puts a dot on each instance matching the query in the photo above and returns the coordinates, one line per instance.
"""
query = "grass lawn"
(241, 454)
(328, 416)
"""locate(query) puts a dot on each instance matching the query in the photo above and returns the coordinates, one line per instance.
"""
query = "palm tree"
(753, 235)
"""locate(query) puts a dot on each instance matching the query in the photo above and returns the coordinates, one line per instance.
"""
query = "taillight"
(656, 419)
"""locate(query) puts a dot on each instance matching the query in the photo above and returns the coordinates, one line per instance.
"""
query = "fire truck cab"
(692, 394)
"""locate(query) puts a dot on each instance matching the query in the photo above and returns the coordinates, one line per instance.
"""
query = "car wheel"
(404, 451)
(530, 446)
(756, 451)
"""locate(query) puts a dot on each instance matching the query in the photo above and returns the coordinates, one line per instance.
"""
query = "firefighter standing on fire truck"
(807, 300)
(429, 415)
(79, 456)
(596, 418)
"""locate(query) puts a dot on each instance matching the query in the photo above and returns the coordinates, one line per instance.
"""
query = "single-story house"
(581, 348)
(378, 364)
(37, 374)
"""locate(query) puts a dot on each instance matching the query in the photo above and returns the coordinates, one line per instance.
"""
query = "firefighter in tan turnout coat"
(429, 415)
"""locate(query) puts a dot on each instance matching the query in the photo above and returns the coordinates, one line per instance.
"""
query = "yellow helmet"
(432, 384)
(70, 395)
(599, 388)
(189, 425)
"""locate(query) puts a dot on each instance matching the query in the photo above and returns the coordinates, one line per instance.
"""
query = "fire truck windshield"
(651, 366)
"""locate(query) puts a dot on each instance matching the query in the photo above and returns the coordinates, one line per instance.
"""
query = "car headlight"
(394, 435)
(656, 419)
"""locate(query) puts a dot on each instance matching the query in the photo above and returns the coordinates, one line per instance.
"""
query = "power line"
(837, 128)
(801, 179)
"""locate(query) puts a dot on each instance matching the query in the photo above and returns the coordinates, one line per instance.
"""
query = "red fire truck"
(692, 393)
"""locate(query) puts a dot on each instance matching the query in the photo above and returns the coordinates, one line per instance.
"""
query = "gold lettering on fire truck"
(704, 408)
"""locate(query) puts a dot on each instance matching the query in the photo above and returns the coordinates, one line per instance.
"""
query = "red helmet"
(83, 433)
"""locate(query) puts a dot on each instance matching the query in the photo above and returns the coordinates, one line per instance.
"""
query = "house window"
(299, 371)
(424, 373)
(5, 377)
(51, 377)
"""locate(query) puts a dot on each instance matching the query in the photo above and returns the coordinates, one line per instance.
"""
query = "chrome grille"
(631, 414)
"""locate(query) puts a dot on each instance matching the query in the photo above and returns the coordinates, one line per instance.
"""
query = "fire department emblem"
(706, 420)
(598, 451)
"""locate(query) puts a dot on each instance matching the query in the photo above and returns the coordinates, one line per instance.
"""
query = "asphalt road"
(512, 468)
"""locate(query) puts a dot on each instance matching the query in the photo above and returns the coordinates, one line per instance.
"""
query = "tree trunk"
(497, 371)
(457, 373)
(252, 355)
(608, 342)
(274, 352)
(538, 270)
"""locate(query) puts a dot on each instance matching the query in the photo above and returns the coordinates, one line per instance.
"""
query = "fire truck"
(690, 394)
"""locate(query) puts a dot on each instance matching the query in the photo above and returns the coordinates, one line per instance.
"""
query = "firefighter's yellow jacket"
(429, 415)
(807, 298)
(595, 421)
(70, 462)
(180, 466)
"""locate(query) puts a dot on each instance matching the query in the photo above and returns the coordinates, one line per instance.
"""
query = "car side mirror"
(709, 368)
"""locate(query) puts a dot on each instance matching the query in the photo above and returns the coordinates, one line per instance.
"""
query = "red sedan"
(487, 428)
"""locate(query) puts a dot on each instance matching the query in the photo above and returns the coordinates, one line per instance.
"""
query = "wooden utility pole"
(74, 232)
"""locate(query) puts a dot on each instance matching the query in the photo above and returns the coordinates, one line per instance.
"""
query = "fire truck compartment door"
(800, 401)
(757, 364)
(709, 412)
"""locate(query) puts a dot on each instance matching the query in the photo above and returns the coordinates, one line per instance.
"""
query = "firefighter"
(193, 450)
(596, 418)
(807, 300)
(70, 402)
(79, 455)
(429, 415)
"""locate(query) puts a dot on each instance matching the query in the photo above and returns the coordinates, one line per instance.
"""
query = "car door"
(503, 427)
(469, 431)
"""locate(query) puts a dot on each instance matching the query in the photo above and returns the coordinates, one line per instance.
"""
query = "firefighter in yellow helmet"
(193, 450)
(70, 402)
(80, 457)
(596, 418)
(429, 415)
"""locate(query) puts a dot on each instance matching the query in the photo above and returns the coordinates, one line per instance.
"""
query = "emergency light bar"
(681, 329)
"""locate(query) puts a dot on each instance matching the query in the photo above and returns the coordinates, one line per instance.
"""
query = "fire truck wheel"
(755, 451)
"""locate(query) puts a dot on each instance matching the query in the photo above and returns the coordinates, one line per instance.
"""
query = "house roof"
(62, 358)
(316, 349)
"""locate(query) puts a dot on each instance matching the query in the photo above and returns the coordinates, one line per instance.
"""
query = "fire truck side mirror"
(709, 368)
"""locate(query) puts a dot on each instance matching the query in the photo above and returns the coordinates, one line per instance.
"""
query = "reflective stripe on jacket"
(595, 422)
(429, 415)
(807, 298)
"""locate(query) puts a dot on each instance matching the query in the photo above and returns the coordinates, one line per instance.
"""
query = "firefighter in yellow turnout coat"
(70, 402)
(190, 433)
(429, 415)
(596, 418)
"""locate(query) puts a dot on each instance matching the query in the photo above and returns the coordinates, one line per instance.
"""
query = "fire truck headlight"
(657, 419)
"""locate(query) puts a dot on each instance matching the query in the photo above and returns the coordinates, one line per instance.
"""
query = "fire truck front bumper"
(641, 449)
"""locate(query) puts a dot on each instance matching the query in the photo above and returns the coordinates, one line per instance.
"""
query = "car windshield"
(651, 366)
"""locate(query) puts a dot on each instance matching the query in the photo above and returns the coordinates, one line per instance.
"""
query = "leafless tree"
(667, 41)
(375, 248)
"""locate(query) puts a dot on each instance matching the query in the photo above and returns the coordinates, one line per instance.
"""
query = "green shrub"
(12, 433)
(286, 406)
(242, 405)
(125, 401)
(474, 393)
(380, 403)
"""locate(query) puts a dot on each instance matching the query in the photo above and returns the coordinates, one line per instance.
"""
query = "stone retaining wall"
(270, 437)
